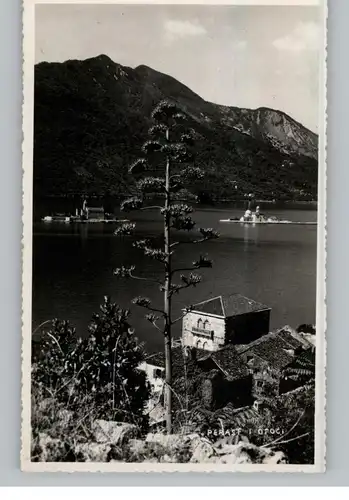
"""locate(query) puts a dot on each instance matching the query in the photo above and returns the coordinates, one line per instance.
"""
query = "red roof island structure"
(222, 320)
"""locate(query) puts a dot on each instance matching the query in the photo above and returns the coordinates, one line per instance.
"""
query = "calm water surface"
(276, 265)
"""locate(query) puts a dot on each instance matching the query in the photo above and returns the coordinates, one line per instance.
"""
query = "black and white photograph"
(174, 186)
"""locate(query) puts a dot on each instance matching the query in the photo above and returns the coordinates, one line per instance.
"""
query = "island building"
(92, 213)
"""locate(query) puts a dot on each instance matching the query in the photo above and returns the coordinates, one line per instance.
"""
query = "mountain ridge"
(91, 118)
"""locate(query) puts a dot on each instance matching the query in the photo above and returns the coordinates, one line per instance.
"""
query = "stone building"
(225, 376)
(269, 358)
(224, 320)
(154, 368)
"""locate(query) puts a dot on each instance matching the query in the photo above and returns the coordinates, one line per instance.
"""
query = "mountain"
(91, 118)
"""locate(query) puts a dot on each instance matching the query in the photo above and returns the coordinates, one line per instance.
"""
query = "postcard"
(174, 211)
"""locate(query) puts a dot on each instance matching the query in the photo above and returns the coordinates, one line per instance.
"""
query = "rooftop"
(227, 360)
(156, 359)
(274, 348)
(95, 209)
(230, 305)
(178, 356)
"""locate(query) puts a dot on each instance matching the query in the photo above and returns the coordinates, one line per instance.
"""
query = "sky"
(245, 56)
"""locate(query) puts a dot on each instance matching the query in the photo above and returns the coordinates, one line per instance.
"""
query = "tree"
(167, 157)
(98, 375)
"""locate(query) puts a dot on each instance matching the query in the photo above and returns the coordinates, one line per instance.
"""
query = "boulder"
(202, 451)
(277, 457)
(93, 452)
(117, 433)
(246, 453)
(168, 441)
(48, 449)
(137, 446)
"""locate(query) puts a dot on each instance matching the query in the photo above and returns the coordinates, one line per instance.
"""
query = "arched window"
(199, 323)
(198, 344)
(205, 345)
(206, 325)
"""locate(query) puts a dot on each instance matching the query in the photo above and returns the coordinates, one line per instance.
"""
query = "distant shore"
(66, 204)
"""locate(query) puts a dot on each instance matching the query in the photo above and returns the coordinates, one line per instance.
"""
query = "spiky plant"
(165, 169)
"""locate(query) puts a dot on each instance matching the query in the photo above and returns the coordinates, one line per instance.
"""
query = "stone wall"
(203, 331)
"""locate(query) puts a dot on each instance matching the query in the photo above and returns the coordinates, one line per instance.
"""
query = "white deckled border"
(27, 151)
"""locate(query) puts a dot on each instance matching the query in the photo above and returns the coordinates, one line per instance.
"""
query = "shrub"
(93, 378)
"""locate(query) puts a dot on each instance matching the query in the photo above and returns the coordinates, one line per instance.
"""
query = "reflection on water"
(73, 268)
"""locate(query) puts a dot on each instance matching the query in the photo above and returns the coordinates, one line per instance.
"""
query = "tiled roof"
(238, 304)
(178, 357)
(273, 351)
(156, 359)
(228, 360)
(211, 306)
(293, 342)
(273, 348)
(304, 361)
(231, 305)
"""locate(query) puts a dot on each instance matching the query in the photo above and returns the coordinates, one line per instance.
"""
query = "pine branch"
(168, 113)
(157, 130)
(153, 253)
(149, 280)
(183, 223)
(207, 234)
(152, 318)
(139, 166)
(151, 147)
(125, 229)
(203, 262)
(191, 281)
(146, 304)
(151, 185)
(124, 272)
(191, 174)
(180, 269)
(177, 210)
(188, 138)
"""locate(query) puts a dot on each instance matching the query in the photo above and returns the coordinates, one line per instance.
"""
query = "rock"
(244, 438)
(137, 446)
(245, 453)
(48, 449)
(116, 433)
(93, 452)
(277, 457)
(202, 451)
(168, 441)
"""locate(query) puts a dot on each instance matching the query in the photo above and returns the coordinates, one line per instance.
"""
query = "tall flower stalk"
(164, 170)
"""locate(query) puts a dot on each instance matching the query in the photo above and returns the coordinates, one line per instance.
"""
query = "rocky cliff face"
(92, 116)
